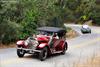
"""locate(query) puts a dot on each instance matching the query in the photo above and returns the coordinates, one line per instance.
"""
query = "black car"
(85, 29)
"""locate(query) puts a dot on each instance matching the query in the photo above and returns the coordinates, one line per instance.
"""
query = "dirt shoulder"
(71, 34)
(7, 46)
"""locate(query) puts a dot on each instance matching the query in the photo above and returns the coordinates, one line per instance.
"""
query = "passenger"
(34, 36)
(55, 36)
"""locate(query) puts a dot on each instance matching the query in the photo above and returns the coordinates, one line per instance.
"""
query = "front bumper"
(29, 50)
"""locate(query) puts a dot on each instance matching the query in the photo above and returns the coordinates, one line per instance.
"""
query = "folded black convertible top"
(50, 29)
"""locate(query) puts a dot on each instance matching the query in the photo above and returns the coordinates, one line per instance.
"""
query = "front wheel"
(90, 32)
(64, 50)
(20, 52)
(43, 54)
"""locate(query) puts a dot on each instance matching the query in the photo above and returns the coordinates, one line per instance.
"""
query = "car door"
(58, 45)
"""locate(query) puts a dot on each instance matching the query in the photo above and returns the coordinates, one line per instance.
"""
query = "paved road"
(94, 29)
(80, 48)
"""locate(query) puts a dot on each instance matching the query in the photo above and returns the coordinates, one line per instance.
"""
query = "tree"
(20, 18)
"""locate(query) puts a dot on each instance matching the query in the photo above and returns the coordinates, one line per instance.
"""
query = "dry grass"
(71, 34)
(7, 46)
(91, 62)
(89, 22)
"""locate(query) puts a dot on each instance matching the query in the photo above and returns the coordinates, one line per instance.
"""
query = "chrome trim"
(57, 52)
(30, 50)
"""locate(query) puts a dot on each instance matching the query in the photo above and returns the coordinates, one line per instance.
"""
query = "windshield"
(44, 33)
(85, 26)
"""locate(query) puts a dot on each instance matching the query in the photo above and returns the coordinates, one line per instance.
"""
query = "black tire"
(43, 54)
(90, 32)
(20, 53)
(64, 49)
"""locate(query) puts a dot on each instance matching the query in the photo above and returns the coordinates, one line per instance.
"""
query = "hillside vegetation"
(20, 18)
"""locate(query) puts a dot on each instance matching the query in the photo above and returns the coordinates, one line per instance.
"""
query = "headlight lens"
(35, 43)
(26, 43)
(19, 42)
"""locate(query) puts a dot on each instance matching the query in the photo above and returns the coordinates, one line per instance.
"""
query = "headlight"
(26, 43)
(19, 42)
(41, 45)
(36, 43)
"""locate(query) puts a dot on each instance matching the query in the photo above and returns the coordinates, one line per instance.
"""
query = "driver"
(34, 36)
(55, 36)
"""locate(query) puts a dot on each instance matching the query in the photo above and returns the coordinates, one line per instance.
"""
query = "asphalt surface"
(80, 49)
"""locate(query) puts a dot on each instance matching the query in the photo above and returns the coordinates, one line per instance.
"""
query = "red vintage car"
(49, 40)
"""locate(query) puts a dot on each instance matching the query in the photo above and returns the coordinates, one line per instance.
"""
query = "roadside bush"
(9, 33)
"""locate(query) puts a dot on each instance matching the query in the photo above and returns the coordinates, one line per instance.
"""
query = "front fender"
(20, 43)
(66, 45)
(42, 45)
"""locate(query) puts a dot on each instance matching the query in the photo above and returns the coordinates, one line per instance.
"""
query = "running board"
(57, 52)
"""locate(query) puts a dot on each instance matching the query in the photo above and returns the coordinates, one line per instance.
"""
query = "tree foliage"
(20, 18)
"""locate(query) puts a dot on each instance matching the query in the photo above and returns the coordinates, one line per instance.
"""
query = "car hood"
(42, 38)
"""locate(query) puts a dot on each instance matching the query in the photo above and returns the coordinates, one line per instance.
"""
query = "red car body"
(52, 40)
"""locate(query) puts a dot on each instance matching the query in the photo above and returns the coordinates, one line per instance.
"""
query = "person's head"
(34, 36)
(55, 34)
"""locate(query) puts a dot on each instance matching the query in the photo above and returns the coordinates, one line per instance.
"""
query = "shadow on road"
(51, 57)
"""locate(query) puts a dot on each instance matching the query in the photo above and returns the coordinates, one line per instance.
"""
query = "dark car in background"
(85, 29)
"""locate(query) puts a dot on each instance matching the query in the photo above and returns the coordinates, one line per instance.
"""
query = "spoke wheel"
(64, 50)
(20, 52)
(43, 54)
